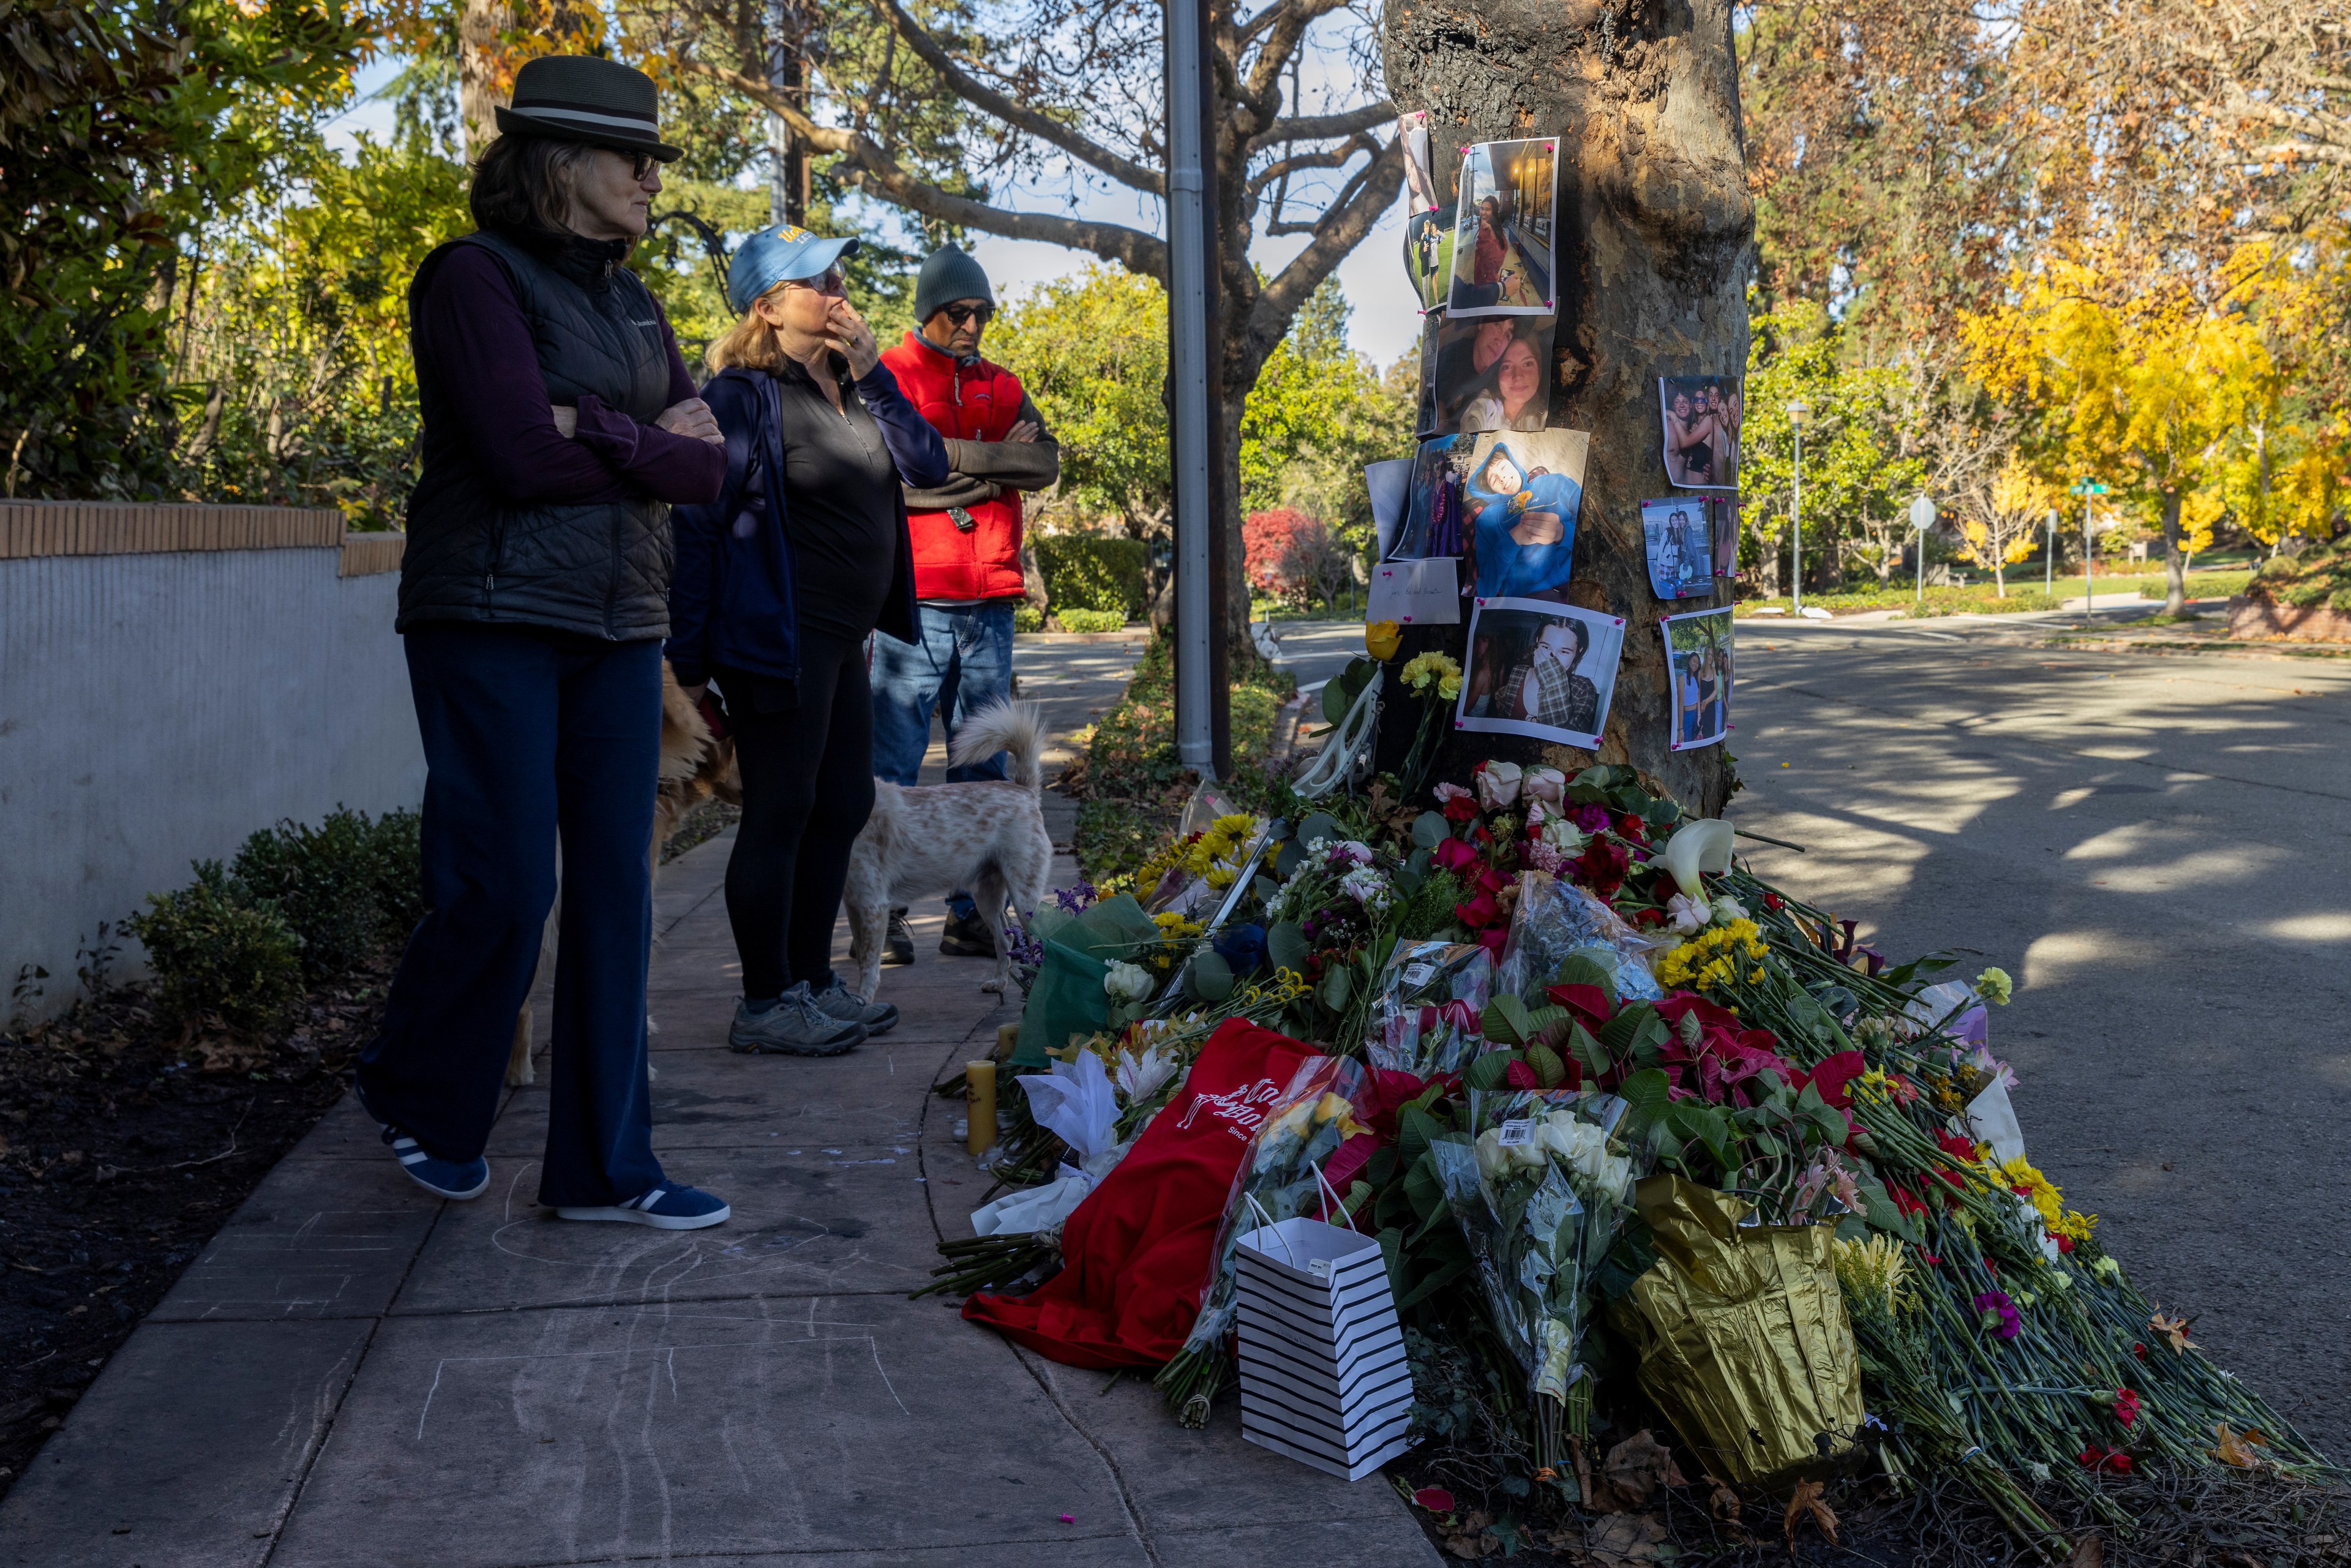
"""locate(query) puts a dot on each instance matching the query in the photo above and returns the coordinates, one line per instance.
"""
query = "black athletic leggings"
(805, 752)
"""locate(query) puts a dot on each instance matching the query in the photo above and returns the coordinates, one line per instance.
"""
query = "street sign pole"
(1922, 517)
(2086, 488)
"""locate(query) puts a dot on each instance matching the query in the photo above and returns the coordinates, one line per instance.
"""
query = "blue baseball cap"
(779, 254)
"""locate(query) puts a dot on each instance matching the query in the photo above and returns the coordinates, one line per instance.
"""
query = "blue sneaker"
(442, 1178)
(665, 1208)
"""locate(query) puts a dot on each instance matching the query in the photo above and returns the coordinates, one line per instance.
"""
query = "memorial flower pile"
(1554, 1016)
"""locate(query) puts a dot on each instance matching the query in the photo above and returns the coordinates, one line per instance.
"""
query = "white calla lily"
(1700, 845)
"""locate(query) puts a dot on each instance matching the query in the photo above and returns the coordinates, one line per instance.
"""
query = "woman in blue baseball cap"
(780, 582)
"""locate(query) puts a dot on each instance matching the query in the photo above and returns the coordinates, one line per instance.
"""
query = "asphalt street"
(2159, 848)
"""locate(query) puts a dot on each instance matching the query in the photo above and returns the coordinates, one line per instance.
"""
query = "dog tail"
(1015, 728)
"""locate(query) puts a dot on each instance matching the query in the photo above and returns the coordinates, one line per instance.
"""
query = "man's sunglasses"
(959, 314)
(830, 283)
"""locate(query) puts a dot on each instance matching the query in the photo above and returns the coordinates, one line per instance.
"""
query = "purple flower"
(1591, 819)
(1075, 899)
(1999, 1314)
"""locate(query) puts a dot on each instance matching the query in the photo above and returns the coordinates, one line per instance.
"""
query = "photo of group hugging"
(1701, 417)
(1697, 664)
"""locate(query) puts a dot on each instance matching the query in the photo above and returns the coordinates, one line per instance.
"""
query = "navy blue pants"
(529, 737)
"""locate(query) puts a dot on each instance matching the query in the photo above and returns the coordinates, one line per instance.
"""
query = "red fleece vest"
(978, 401)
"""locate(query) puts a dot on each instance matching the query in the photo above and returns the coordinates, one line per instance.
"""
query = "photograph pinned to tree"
(1433, 524)
(1722, 524)
(1542, 670)
(1426, 231)
(1502, 229)
(1389, 486)
(1700, 417)
(1697, 666)
(1520, 497)
(1681, 554)
(1485, 372)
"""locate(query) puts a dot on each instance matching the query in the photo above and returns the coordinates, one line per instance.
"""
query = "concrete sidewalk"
(353, 1373)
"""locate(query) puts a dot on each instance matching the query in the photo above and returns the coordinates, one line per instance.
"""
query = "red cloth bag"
(1135, 1253)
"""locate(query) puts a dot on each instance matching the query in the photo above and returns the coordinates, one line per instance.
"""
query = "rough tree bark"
(482, 27)
(1654, 250)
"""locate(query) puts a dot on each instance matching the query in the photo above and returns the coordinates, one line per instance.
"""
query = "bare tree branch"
(1317, 127)
(872, 167)
(1043, 127)
(1342, 229)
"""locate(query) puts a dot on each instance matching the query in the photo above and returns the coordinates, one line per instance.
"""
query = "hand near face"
(847, 334)
(1538, 529)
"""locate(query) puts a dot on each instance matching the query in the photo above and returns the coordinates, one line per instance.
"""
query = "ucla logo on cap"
(790, 234)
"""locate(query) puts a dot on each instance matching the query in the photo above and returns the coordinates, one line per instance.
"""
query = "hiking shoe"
(665, 1208)
(442, 1178)
(967, 937)
(795, 1026)
(837, 1001)
(898, 947)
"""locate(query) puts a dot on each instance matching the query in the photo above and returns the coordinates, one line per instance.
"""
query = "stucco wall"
(156, 707)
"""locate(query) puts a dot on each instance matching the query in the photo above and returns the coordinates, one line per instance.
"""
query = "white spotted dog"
(988, 837)
(695, 767)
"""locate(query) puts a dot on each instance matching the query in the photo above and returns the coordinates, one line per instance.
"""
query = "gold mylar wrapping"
(1743, 1338)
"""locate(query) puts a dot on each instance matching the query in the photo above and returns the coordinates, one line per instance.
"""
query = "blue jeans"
(528, 739)
(963, 661)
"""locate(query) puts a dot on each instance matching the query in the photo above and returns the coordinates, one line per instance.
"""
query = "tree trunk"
(1654, 249)
(2175, 573)
(480, 25)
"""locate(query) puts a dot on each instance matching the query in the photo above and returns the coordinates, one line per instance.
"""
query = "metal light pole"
(1922, 517)
(1190, 275)
(1797, 409)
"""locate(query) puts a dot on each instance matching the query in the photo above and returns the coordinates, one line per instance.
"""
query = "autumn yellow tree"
(2002, 514)
(2146, 391)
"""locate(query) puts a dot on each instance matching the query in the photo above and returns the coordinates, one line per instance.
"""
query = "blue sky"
(1384, 326)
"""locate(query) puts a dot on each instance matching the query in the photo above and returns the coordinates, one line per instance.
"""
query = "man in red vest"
(966, 537)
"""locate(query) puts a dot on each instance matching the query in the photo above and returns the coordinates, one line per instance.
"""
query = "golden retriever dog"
(988, 837)
(696, 766)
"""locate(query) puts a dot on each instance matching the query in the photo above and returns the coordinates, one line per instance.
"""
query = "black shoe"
(967, 937)
(898, 948)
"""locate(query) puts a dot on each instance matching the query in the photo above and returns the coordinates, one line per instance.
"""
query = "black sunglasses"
(959, 314)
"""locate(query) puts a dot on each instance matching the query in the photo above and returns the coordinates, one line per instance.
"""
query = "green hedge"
(1090, 619)
(1086, 571)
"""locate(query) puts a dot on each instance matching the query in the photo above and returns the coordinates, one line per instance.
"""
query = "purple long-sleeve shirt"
(470, 329)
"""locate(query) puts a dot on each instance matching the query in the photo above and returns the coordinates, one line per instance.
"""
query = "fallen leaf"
(2236, 1448)
(1807, 1502)
(2172, 1329)
(1634, 1469)
(1624, 1541)
(1723, 1504)
(2088, 1553)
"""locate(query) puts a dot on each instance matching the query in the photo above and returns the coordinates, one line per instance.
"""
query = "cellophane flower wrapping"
(1541, 1192)
(1426, 1018)
(1555, 919)
(1281, 1178)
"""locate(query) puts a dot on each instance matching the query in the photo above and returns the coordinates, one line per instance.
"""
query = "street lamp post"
(1797, 409)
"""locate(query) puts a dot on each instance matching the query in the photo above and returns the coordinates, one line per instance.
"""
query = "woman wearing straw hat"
(559, 426)
(779, 583)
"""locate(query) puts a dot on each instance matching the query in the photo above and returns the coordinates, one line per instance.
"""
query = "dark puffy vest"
(598, 567)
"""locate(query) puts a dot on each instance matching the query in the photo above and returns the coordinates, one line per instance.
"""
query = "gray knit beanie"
(947, 276)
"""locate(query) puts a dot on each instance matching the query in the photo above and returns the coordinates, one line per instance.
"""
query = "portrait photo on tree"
(1700, 415)
(1520, 497)
(1697, 667)
(1723, 523)
(1681, 556)
(1503, 224)
(1427, 239)
(1485, 372)
(1539, 669)
(1433, 523)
